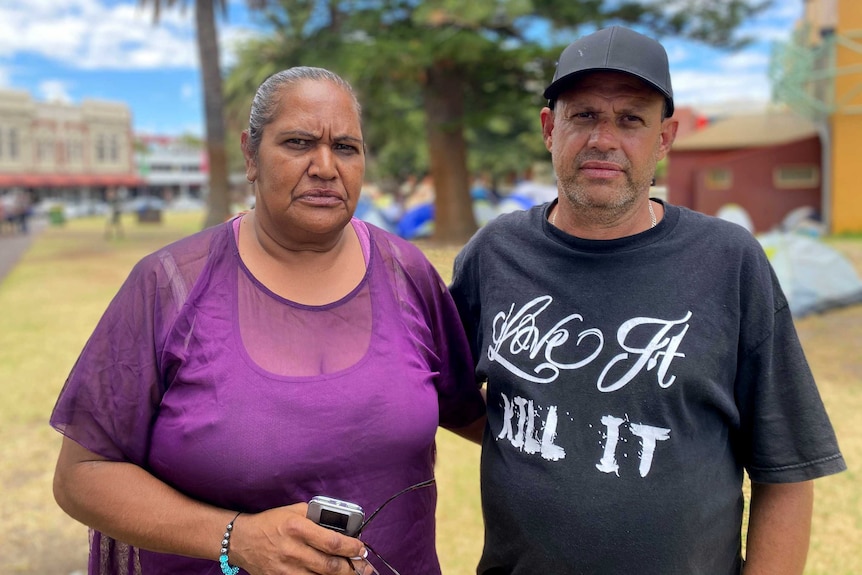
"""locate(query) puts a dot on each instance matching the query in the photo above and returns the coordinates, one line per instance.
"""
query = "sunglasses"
(365, 523)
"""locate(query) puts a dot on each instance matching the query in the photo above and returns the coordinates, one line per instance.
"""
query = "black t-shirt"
(630, 383)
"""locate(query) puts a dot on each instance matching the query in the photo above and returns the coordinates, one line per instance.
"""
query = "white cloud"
(230, 38)
(786, 9)
(93, 35)
(54, 91)
(699, 87)
(776, 33)
(188, 92)
(704, 76)
(88, 34)
(776, 23)
(743, 61)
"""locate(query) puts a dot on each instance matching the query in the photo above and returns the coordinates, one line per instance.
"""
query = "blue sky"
(70, 50)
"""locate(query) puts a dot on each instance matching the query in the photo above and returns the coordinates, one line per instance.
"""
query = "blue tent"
(416, 222)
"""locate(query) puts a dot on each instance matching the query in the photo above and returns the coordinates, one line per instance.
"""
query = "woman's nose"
(322, 163)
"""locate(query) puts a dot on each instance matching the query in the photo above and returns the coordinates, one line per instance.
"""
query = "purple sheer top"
(245, 400)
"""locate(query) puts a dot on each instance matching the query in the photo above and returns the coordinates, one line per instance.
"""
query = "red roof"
(68, 180)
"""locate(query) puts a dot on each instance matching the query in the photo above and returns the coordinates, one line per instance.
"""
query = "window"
(13, 143)
(100, 148)
(8, 143)
(114, 148)
(797, 176)
(74, 150)
(719, 179)
(45, 151)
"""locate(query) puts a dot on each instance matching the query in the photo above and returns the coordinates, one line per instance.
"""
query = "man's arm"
(779, 528)
(473, 432)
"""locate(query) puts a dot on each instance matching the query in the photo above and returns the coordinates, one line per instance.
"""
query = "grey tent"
(814, 276)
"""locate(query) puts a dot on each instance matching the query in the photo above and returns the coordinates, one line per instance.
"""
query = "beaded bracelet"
(226, 567)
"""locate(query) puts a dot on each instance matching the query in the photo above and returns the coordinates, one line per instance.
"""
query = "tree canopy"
(439, 78)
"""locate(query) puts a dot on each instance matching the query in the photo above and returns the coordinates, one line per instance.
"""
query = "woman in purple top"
(291, 352)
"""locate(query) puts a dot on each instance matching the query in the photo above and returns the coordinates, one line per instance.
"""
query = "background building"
(819, 75)
(63, 152)
(801, 153)
(768, 164)
(172, 168)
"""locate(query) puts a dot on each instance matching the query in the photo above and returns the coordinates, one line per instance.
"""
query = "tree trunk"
(444, 109)
(218, 201)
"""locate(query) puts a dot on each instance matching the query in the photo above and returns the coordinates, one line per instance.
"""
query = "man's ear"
(667, 136)
(547, 117)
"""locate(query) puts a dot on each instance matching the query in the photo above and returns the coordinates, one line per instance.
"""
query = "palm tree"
(218, 202)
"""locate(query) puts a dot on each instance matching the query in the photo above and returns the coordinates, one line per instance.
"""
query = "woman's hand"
(129, 504)
(282, 541)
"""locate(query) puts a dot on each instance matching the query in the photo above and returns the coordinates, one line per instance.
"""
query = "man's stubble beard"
(602, 206)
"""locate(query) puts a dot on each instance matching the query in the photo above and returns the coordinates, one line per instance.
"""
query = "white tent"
(814, 276)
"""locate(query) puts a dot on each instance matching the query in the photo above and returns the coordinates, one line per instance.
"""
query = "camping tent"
(814, 276)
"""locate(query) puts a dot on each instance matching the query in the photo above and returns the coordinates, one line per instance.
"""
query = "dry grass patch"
(54, 297)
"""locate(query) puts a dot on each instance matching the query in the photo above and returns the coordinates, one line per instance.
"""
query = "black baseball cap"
(617, 49)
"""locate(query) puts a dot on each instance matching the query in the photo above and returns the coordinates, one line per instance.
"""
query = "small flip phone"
(335, 514)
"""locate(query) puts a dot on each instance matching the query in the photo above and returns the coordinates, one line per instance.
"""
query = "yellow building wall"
(846, 188)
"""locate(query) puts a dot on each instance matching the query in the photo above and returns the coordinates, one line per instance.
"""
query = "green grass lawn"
(51, 301)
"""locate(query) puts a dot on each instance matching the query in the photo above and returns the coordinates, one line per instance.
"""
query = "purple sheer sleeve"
(111, 557)
(112, 392)
(110, 398)
(460, 401)
(459, 398)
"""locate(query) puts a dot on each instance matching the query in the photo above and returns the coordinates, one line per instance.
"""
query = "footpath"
(14, 244)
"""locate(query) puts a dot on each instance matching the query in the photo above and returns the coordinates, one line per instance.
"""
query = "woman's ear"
(250, 158)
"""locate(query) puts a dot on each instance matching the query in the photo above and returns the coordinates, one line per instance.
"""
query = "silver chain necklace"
(652, 219)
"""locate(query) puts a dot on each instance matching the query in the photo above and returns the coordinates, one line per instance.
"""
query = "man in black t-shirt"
(639, 357)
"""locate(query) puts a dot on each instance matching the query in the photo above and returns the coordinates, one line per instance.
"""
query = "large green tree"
(472, 68)
(218, 200)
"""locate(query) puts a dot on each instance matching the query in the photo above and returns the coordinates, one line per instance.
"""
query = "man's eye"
(346, 148)
(297, 142)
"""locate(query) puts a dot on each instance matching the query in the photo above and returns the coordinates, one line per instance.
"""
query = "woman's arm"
(129, 504)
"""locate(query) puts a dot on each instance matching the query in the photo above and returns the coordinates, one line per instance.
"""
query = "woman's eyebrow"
(305, 135)
(300, 133)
